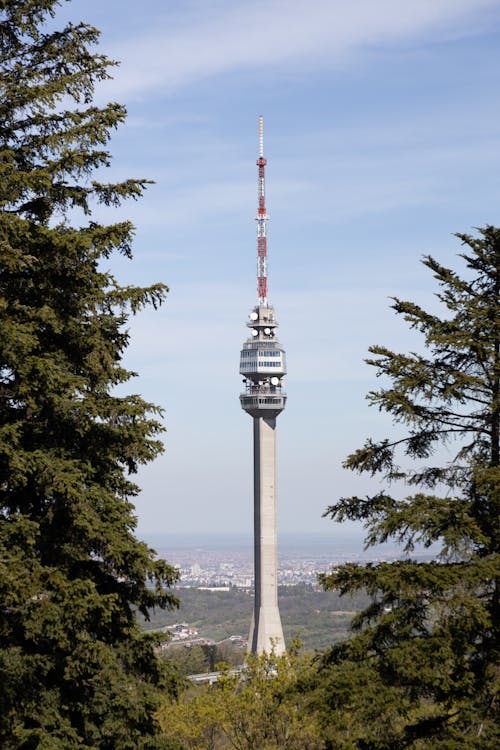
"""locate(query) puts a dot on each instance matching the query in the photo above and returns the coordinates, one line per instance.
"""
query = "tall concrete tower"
(263, 365)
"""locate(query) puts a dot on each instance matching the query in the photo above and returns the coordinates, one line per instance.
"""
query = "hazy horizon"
(299, 543)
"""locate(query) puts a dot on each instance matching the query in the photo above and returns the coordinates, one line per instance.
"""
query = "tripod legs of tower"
(266, 632)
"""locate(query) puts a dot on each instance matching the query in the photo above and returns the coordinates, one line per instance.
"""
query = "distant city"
(225, 561)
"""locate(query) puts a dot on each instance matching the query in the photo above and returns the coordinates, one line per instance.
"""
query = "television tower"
(263, 365)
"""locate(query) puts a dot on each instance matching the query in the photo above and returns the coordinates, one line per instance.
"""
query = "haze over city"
(382, 140)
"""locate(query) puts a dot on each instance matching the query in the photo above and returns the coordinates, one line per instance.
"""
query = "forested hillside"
(318, 618)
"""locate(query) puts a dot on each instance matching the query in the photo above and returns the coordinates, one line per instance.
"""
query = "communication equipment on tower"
(262, 360)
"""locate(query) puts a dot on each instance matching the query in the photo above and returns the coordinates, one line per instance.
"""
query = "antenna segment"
(261, 220)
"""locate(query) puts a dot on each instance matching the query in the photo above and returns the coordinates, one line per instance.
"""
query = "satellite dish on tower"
(255, 332)
(275, 381)
(253, 316)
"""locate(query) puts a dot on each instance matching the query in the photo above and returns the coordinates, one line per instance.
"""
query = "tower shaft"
(266, 632)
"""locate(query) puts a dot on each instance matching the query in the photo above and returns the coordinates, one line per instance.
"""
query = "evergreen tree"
(75, 668)
(422, 669)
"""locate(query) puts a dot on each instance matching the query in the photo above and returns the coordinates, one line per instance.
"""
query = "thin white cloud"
(221, 37)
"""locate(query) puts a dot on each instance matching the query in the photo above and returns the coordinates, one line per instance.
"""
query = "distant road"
(210, 677)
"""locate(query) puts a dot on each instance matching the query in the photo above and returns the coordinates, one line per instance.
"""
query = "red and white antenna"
(261, 220)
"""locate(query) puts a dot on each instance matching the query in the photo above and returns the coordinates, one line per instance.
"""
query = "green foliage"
(192, 658)
(75, 669)
(422, 670)
(318, 618)
(264, 706)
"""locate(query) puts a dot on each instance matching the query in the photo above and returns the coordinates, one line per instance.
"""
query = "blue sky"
(382, 137)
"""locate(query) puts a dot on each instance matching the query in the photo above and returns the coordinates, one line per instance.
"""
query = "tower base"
(266, 633)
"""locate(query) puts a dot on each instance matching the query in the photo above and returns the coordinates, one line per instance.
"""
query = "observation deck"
(263, 366)
(260, 401)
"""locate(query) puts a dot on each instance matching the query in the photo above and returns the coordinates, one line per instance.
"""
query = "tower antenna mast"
(261, 220)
